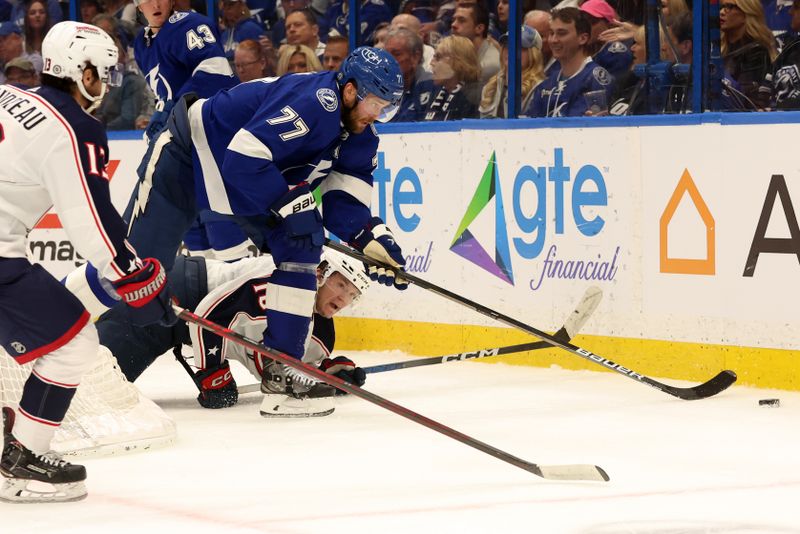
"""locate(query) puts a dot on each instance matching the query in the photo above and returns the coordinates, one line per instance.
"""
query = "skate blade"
(286, 406)
(23, 491)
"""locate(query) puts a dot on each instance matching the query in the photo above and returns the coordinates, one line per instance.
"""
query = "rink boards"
(687, 224)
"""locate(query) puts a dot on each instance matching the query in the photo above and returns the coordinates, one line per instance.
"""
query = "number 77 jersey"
(254, 140)
(184, 56)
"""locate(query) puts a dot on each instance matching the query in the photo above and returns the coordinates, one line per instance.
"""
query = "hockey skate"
(289, 393)
(33, 478)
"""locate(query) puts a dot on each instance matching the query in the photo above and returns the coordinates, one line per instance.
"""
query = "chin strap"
(95, 100)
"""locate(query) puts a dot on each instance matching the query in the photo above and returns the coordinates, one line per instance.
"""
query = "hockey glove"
(377, 242)
(217, 387)
(146, 293)
(158, 121)
(296, 212)
(344, 368)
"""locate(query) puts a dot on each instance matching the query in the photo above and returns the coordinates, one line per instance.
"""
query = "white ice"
(720, 465)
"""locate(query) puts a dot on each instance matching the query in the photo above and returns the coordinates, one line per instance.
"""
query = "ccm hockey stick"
(586, 472)
(718, 383)
(571, 327)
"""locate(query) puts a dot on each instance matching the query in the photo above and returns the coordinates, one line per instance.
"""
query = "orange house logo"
(670, 264)
(50, 220)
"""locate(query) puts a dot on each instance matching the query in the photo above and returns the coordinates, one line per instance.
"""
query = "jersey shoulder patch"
(617, 47)
(327, 97)
(601, 75)
(177, 16)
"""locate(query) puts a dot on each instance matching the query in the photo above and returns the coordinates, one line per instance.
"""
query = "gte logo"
(588, 190)
(465, 244)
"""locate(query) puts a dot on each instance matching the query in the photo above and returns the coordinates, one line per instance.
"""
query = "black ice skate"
(31, 477)
(288, 393)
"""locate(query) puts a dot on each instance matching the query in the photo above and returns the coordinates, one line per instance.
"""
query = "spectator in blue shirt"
(238, 26)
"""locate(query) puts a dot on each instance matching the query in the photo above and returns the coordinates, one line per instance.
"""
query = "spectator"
(455, 66)
(494, 100)
(782, 85)
(5, 11)
(297, 58)
(11, 47)
(249, 61)
(747, 45)
(37, 23)
(125, 12)
(778, 16)
(379, 35)
(630, 94)
(21, 73)
(20, 9)
(500, 26)
(238, 26)
(302, 29)
(614, 56)
(89, 9)
(471, 20)
(123, 105)
(406, 48)
(673, 8)
(540, 21)
(287, 7)
(336, 49)
(372, 13)
(410, 22)
(561, 94)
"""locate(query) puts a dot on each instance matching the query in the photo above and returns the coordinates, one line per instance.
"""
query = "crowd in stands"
(577, 57)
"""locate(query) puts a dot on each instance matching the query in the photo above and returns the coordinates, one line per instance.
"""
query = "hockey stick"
(715, 385)
(551, 472)
(571, 327)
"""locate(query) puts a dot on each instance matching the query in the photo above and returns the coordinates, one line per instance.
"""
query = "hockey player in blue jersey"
(178, 53)
(256, 153)
(561, 94)
(54, 154)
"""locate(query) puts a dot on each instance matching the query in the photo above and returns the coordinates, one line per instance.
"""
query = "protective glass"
(115, 74)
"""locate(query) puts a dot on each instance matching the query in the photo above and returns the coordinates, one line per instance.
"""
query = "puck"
(770, 403)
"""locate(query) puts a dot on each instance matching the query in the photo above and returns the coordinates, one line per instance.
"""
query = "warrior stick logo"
(466, 245)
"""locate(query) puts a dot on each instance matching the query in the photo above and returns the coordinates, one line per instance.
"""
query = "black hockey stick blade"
(722, 381)
(577, 318)
(551, 472)
(710, 387)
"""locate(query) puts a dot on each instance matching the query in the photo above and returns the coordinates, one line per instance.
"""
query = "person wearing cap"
(494, 99)
(406, 48)
(21, 73)
(540, 21)
(11, 46)
(615, 56)
(562, 93)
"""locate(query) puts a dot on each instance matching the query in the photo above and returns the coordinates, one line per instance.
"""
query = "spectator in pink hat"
(615, 56)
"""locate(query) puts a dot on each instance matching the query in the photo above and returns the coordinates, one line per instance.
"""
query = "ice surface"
(720, 465)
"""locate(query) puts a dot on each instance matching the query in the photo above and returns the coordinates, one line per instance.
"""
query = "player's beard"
(350, 119)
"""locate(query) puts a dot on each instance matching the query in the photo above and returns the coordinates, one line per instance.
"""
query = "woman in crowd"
(748, 46)
(237, 26)
(297, 58)
(494, 100)
(37, 22)
(455, 70)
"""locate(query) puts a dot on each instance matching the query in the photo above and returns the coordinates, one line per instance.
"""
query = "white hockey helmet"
(69, 47)
(352, 270)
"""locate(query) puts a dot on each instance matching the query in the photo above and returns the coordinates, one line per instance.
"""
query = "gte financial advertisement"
(675, 224)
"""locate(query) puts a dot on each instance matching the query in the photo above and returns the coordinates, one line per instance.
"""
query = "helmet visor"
(383, 110)
(115, 74)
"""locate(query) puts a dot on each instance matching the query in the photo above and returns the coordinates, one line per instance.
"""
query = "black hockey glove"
(217, 387)
(344, 368)
(377, 242)
(147, 296)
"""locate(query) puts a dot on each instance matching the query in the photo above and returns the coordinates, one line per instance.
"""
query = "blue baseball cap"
(7, 28)
(528, 37)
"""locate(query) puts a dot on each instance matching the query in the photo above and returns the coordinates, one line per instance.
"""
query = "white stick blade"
(574, 472)
(591, 299)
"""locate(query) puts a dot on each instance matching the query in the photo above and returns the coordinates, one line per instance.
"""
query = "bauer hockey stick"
(586, 472)
(715, 385)
(571, 327)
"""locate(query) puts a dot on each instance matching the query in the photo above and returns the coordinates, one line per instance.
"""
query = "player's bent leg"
(32, 474)
(162, 206)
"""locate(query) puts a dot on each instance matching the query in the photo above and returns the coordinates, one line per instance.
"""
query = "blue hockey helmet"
(375, 72)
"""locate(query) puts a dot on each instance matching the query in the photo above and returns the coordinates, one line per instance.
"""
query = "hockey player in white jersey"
(54, 154)
(235, 295)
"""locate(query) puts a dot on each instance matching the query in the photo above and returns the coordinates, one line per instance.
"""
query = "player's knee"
(69, 363)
